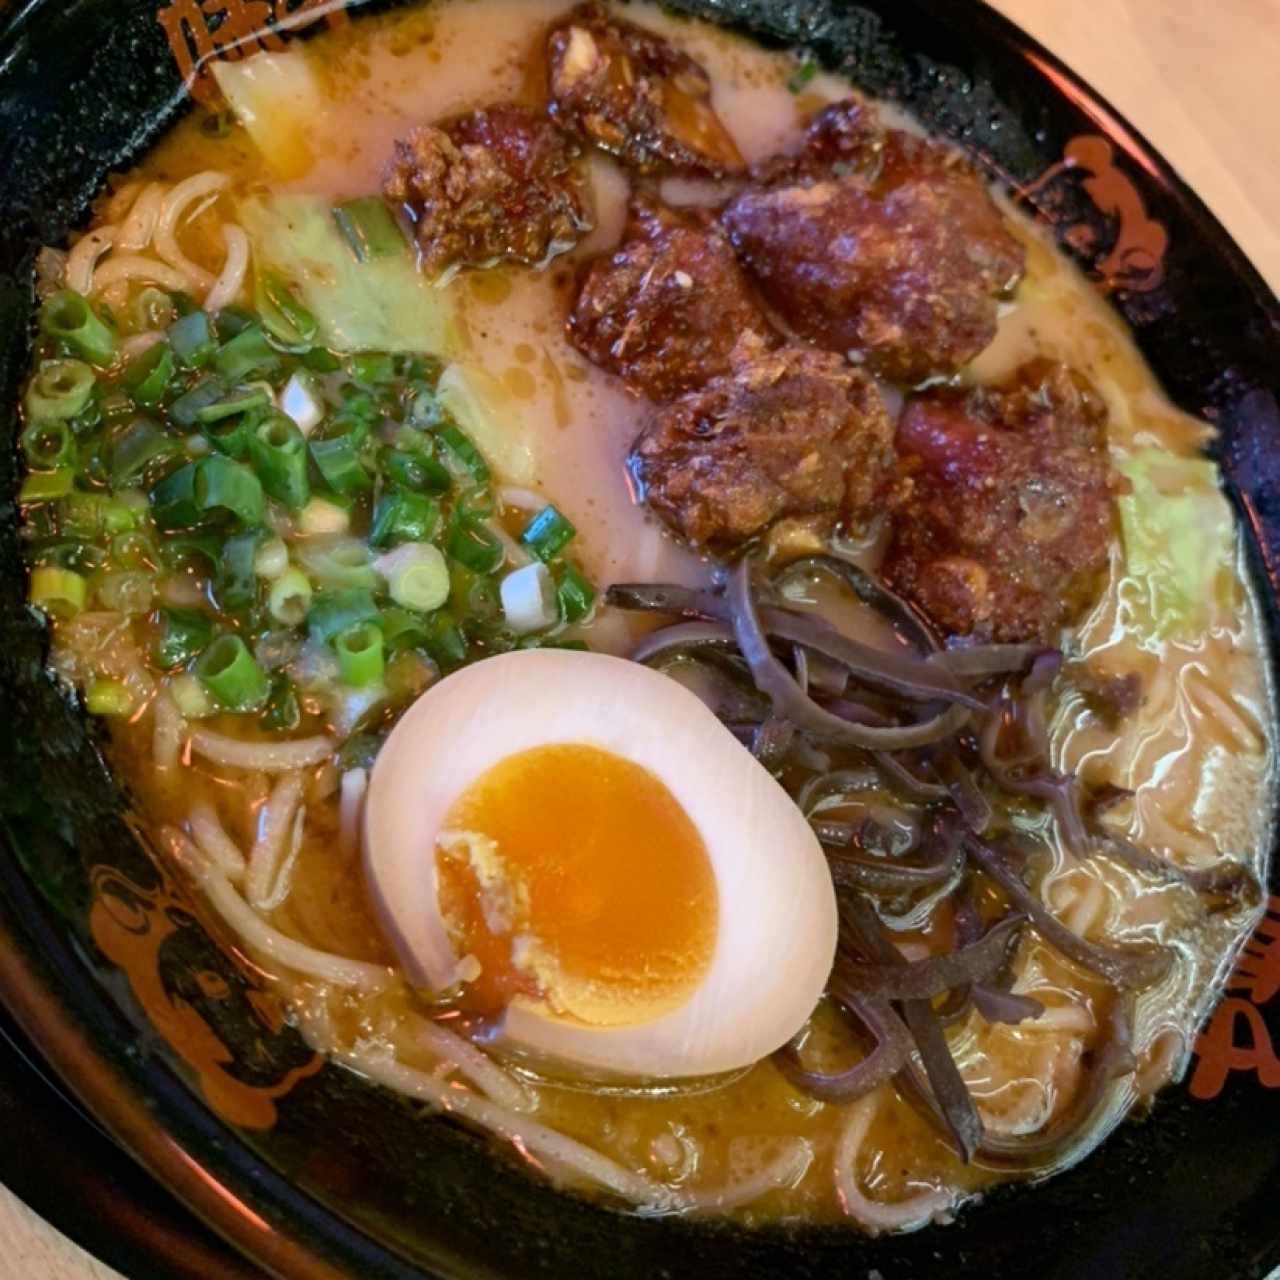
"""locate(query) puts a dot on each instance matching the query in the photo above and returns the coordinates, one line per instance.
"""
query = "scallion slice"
(60, 592)
(238, 404)
(336, 611)
(278, 452)
(60, 390)
(192, 339)
(475, 546)
(236, 584)
(147, 377)
(185, 410)
(284, 317)
(184, 633)
(231, 674)
(231, 486)
(46, 486)
(108, 698)
(49, 444)
(463, 451)
(360, 655)
(548, 533)
(402, 516)
(338, 459)
(417, 576)
(369, 227)
(575, 593)
(68, 317)
(289, 599)
(246, 354)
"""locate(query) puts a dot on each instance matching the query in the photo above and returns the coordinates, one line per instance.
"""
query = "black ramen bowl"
(312, 1173)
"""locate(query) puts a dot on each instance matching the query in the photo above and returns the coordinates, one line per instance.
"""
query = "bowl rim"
(233, 1204)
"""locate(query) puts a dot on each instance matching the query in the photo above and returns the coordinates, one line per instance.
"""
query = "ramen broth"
(1196, 752)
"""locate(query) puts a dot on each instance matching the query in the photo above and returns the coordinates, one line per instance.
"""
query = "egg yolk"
(573, 876)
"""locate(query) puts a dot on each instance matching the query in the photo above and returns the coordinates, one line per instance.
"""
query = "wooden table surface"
(1196, 76)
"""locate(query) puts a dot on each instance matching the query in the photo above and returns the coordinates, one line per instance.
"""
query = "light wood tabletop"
(1196, 78)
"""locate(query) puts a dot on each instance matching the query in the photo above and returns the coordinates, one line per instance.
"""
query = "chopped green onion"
(236, 405)
(464, 452)
(185, 410)
(60, 390)
(48, 444)
(445, 642)
(147, 377)
(151, 309)
(232, 435)
(402, 629)
(548, 533)
(179, 550)
(247, 353)
(279, 456)
(342, 562)
(289, 600)
(801, 76)
(529, 598)
(336, 611)
(475, 546)
(127, 591)
(228, 670)
(237, 584)
(575, 593)
(135, 550)
(271, 559)
(425, 409)
(415, 470)
(217, 124)
(370, 228)
(173, 499)
(231, 322)
(373, 367)
(57, 591)
(184, 633)
(417, 576)
(108, 698)
(321, 517)
(68, 317)
(339, 463)
(401, 516)
(139, 444)
(231, 486)
(282, 712)
(477, 503)
(193, 340)
(321, 361)
(92, 514)
(360, 656)
(45, 486)
(285, 318)
(407, 675)
(190, 697)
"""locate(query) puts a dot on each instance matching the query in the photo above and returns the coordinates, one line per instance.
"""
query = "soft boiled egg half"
(579, 848)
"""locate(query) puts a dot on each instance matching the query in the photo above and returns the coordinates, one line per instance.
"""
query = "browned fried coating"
(1012, 511)
(490, 185)
(877, 242)
(664, 310)
(789, 431)
(633, 93)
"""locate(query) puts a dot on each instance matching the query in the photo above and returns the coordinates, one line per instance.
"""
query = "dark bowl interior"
(348, 1180)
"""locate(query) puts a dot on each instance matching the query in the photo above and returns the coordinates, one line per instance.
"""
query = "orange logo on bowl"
(201, 31)
(1127, 247)
(1218, 1050)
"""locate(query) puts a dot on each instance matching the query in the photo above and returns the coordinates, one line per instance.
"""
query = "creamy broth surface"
(1196, 752)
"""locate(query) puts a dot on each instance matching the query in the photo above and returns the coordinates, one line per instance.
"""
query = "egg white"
(777, 913)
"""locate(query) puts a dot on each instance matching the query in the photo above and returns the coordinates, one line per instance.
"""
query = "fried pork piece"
(1007, 529)
(636, 95)
(878, 242)
(665, 309)
(495, 184)
(789, 431)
